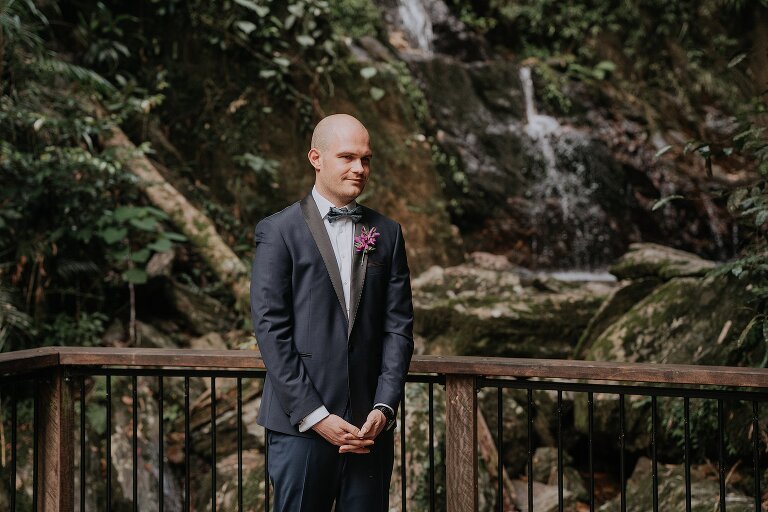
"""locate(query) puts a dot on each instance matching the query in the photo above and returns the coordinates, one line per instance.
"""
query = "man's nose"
(357, 165)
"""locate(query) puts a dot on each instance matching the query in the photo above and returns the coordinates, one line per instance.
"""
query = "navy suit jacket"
(314, 355)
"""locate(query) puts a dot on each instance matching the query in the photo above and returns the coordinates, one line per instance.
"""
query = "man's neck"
(335, 201)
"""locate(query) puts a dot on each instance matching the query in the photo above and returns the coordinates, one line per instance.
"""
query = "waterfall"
(543, 130)
(565, 181)
(416, 23)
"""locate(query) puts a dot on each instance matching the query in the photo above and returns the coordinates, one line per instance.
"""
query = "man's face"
(342, 169)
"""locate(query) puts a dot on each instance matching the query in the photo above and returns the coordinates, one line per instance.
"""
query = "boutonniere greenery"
(365, 242)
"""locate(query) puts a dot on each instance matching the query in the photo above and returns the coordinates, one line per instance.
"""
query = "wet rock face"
(492, 308)
(520, 178)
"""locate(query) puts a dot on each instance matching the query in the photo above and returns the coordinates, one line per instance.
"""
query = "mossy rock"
(471, 310)
(619, 302)
(654, 260)
(705, 491)
(685, 321)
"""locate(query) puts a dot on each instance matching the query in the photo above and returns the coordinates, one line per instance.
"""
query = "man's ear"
(314, 158)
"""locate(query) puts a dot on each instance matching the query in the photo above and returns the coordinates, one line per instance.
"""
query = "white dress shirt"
(342, 235)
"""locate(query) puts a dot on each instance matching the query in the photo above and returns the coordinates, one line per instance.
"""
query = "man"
(332, 313)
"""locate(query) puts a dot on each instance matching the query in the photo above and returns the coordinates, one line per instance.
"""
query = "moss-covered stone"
(705, 491)
(684, 320)
(654, 260)
(618, 302)
(472, 310)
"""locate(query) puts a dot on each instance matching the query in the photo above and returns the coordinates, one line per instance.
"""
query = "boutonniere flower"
(365, 242)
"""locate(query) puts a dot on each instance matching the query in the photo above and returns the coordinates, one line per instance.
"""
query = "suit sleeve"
(397, 343)
(272, 316)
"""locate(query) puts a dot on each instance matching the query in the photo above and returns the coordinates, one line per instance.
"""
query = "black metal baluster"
(687, 451)
(530, 449)
(654, 460)
(499, 434)
(756, 453)
(14, 419)
(160, 445)
(135, 442)
(187, 448)
(431, 449)
(109, 443)
(560, 504)
(35, 447)
(239, 444)
(591, 426)
(213, 444)
(622, 451)
(402, 452)
(82, 443)
(721, 452)
(266, 470)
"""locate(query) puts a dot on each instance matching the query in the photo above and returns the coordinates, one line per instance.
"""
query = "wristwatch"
(389, 415)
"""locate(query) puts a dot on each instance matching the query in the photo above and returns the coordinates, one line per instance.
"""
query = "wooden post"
(56, 444)
(461, 443)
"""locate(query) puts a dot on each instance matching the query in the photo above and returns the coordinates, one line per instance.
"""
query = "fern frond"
(74, 73)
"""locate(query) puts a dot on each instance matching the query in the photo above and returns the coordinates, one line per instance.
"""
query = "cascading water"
(563, 187)
(417, 24)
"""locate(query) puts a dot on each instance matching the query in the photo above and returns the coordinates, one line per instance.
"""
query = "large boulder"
(654, 260)
(489, 307)
(705, 491)
(686, 321)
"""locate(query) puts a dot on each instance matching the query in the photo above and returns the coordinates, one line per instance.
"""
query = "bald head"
(341, 156)
(333, 126)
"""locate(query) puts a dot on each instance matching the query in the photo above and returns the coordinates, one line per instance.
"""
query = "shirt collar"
(324, 205)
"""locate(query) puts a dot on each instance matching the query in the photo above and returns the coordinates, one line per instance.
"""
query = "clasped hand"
(348, 437)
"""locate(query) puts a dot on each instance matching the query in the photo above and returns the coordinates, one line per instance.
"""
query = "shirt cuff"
(385, 405)
(311, 419)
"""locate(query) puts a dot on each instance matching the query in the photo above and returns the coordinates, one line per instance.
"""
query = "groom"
(332, 313)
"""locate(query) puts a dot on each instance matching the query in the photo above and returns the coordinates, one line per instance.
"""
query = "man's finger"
(365, 429)
(348, 448)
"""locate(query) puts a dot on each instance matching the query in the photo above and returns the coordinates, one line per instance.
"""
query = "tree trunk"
(189, 220)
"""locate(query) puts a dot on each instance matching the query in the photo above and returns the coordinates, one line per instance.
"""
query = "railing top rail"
(25, 361)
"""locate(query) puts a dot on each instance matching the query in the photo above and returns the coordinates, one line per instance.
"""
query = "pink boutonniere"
(365, 242)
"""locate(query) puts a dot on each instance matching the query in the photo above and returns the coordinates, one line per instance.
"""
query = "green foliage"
(15, 324)
(59, 183)
(356, 18)
(67, 330)
(132, 235)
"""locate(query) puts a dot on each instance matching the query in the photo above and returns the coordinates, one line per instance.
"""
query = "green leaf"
(267, 73)
(368, 72)
(662, 151)
(140, 256)
(661, 202)
(124, 213)
(305, 40)
(281, 61)
(160, 245)
(245, 26)
(146, 224)
(160, 214)
(112, 235)
(761, 217)
(176, 237)
(735, 61)
(377, 93)
(260, 10)
(135, 276)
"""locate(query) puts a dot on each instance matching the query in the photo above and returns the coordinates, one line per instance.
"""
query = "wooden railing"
(52, 367)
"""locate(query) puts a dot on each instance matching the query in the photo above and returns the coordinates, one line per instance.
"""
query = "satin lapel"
(320, 234)
(359, 266)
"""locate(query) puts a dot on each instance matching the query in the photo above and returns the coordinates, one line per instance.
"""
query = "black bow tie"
(335, 214)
